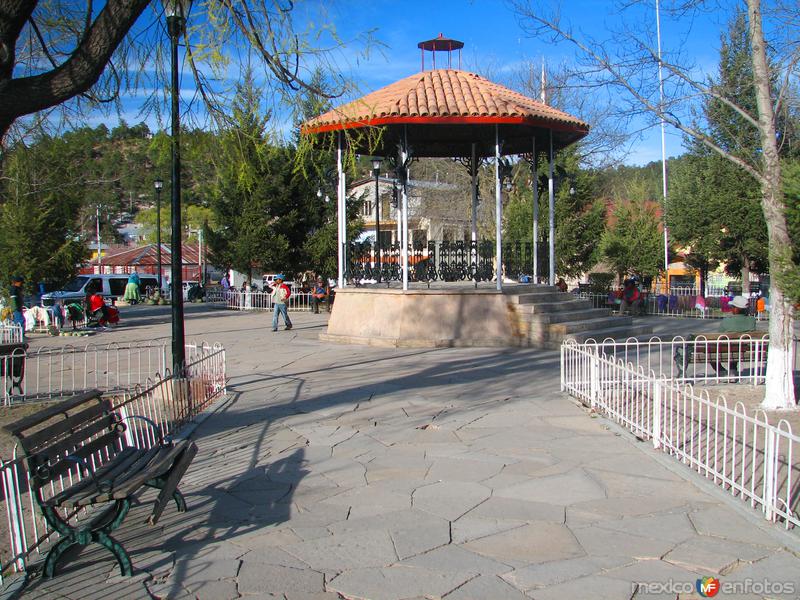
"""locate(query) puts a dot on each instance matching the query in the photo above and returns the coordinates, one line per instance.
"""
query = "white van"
(110, 286)
(269, 280)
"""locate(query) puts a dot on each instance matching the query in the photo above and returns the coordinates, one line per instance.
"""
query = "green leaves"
(632, 245)
(39, 236)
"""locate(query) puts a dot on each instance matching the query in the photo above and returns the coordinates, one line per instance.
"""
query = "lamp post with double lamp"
(176, 20)
(158, 184)
(376, 169)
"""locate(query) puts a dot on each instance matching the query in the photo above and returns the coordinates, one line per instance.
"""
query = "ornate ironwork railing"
(442, 261)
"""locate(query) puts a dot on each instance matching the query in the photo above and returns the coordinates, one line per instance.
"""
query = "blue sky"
(495, 44)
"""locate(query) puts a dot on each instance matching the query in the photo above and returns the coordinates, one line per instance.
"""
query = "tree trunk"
(21, 96)
(703, 279)
(745, 276)
(779, 391)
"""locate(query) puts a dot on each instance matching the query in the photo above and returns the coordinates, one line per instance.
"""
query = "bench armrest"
(162, 441)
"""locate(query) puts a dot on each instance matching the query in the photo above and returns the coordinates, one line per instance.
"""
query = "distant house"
(144, 259)
(422, 226)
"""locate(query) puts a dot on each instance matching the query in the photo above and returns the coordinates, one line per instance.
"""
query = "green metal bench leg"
(170, 481)
(55, 553)
(122, 507)
(98, 532)
(180, 502)
(125, 565)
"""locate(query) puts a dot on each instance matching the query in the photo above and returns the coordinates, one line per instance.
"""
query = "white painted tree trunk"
(779, 393)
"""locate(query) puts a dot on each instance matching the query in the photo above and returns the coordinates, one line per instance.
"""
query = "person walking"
(17, 301)
(280, 294)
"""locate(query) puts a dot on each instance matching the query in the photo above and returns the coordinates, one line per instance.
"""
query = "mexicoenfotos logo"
(707, 587)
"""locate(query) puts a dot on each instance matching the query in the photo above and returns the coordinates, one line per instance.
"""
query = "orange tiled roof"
(446, 96)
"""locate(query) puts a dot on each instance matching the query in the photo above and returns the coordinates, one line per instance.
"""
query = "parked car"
(111, 287)
(269, 280)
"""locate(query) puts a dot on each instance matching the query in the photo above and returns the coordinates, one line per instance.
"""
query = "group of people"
(93, 306)
(279, 292)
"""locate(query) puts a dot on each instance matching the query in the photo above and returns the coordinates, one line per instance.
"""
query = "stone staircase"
(546, 317)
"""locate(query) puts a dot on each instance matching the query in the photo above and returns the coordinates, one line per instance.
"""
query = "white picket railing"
(239, 300)
(696, 359)
(11, 334)
(167, 401)
(50, 372)
(751, 458)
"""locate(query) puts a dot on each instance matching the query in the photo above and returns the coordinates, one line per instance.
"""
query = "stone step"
(563, 305)
(541, 296)
(524, 290)
(565, 315)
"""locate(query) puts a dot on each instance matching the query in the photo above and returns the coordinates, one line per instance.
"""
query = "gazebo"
(448, 112)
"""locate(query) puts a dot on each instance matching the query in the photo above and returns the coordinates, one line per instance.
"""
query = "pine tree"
(39, 236)
(714, 208)
(631, 244)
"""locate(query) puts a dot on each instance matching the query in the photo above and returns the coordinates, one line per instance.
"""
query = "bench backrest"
(731, 335)
(56, 439)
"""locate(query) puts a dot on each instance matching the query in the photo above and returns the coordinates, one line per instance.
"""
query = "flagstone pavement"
(356, 472)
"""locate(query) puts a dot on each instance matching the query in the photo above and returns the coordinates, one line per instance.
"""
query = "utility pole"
(99, 255)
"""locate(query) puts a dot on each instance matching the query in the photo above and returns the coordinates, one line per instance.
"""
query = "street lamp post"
(376, 169)
(176, 20)
(158, 184)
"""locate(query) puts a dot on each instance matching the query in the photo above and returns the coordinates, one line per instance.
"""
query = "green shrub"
(600, 283)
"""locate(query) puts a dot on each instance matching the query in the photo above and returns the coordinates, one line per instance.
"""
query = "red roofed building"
(144, 259)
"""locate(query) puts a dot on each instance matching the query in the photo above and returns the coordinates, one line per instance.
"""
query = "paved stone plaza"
(357, 472)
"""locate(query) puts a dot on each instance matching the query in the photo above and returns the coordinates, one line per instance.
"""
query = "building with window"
(424, 223)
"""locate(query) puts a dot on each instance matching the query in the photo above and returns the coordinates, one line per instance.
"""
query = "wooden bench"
(12, 364)
(714, 349)
(85, 434)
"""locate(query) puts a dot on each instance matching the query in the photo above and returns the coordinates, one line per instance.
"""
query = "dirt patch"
(751, 397)
(10, 414)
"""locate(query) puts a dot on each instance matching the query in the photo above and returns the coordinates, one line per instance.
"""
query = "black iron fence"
(442, 261)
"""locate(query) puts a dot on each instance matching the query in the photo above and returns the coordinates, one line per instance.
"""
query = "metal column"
(339, 209)
(552, 215)
(404, 200)
(473, 168)
(498, 210)
(535, 177)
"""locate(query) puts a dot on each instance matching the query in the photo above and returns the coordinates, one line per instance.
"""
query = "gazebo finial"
(440, 44)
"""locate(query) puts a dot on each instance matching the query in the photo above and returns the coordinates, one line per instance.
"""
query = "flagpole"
(663, 152)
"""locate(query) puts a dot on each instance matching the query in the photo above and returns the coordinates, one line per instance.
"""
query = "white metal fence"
(679, 303)
(10, 334)
(720, 359)
(52, 372)
(169, 402)
(747, 455)
(239, 300)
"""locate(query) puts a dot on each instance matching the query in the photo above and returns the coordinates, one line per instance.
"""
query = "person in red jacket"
(631, 298)
(280, 295)
(96, 306)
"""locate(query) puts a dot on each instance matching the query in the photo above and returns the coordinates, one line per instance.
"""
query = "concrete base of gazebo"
(425, 318)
